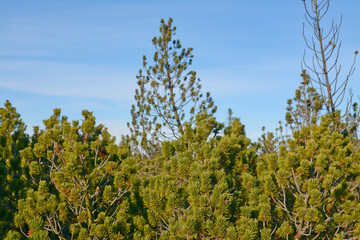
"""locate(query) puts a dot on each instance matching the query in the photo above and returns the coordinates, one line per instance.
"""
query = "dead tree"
(325, 46)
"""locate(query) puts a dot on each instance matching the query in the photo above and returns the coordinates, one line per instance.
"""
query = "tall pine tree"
(168, 93)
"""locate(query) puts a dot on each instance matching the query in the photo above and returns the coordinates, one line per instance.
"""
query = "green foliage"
(312, 185)
(80, 186)
(207, 184)
(12, 140)
(304, 108)
(198, 192)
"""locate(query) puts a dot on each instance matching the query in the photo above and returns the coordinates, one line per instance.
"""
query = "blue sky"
(85, 54)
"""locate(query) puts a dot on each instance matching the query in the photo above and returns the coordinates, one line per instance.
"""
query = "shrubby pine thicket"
(182, 174)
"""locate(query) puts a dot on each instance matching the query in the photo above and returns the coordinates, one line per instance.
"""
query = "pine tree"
(198, 193)
(312, 186)
(81, 183)
(12, 140)
(168, 93)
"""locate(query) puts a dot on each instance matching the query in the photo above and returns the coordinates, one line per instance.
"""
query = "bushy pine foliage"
(80, 182)
(12, 140)
(77, 183)
(198, 192)
(312, 185)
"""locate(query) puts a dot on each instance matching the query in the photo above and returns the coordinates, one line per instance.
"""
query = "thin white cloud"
(66, 79)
